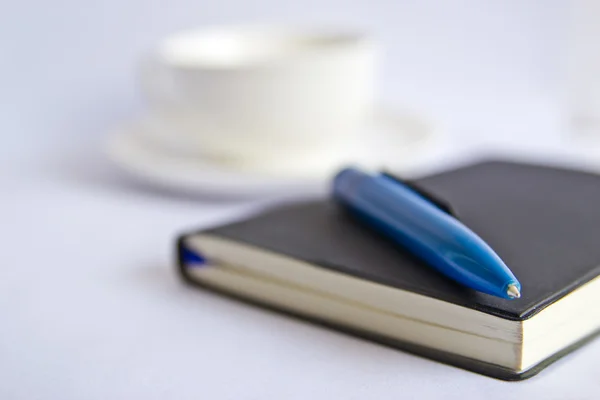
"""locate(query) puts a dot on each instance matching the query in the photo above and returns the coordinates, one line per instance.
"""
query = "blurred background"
(489, 71)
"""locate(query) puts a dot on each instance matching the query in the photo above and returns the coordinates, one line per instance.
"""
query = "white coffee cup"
(254, 92)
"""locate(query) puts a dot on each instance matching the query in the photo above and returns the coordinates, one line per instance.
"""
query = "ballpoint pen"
(419, 225)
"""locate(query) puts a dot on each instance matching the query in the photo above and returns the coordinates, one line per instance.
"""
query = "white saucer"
(392, 142)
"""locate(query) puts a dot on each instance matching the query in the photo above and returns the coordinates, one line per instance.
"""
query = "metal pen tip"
(513, 291)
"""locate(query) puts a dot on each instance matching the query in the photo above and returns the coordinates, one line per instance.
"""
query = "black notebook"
(314, 261)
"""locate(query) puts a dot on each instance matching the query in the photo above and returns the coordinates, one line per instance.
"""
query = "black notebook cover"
(543, 222)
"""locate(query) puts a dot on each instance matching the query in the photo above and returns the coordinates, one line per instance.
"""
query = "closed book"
(314, 261)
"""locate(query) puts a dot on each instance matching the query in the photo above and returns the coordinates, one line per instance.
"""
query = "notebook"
(312, 260)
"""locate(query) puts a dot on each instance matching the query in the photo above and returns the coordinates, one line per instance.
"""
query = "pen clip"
(439, 203)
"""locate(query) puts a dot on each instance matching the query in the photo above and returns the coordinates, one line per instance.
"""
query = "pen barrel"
(419, 226)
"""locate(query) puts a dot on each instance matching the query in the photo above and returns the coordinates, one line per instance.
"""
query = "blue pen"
(420, 226)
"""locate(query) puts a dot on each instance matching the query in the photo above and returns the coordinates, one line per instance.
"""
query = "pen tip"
(513, 291)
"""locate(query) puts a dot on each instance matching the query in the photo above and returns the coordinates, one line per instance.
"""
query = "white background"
(90, 307)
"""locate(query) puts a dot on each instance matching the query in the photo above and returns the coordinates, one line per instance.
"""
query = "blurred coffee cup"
(242, 94)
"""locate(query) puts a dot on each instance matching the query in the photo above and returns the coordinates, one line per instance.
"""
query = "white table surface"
(90, 306)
